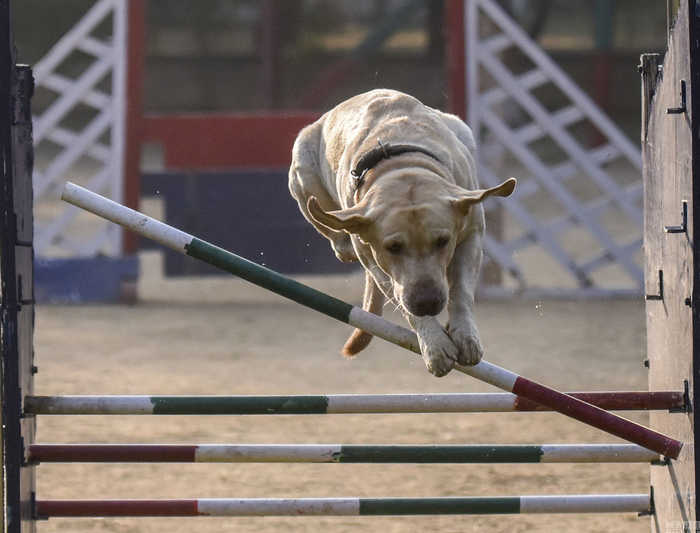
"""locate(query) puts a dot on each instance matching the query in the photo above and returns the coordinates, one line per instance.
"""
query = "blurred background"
(238, 55)
(189, 109)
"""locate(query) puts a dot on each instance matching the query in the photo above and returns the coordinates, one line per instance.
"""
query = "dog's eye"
(441, 242)
(394, 248)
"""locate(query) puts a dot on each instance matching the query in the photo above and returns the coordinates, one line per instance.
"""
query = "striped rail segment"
(339, 453)
(335, 403)
(577, 503)
(485, 371)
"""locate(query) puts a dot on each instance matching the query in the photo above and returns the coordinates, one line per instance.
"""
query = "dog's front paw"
(468, 344)
(439, 352)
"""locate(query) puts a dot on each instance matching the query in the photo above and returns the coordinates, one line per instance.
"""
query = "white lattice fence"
(79, 135)
(578, 205)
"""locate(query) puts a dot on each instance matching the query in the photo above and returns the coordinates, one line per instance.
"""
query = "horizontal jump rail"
(336, 403)
(578, 503)
(264, 277)
(339, 453)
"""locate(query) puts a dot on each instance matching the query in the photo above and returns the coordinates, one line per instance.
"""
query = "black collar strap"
(383, 151)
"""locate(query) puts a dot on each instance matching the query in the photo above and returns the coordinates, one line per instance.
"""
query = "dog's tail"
(357, 342)
(372, 301)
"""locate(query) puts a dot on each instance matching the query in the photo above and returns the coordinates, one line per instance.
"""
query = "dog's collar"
(383, 151)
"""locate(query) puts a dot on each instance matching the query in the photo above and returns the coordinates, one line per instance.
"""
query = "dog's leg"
(436, 346)
(372, 301)
(463, 274)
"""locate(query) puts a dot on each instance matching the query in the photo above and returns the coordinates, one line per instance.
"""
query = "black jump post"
(17, 283)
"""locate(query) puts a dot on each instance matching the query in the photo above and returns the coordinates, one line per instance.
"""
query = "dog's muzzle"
(425, 299)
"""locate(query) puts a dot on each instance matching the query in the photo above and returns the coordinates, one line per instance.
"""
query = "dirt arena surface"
(221, 336)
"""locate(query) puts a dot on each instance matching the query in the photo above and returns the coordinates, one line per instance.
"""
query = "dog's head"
(412, 235)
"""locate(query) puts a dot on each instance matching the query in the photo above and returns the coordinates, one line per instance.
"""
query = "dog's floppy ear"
(468, 198)
(352, 220)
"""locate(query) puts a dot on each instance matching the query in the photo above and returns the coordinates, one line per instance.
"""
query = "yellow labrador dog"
(392, 183)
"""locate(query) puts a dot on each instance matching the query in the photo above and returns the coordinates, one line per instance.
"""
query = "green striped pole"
(577, 503)
(358, 317)
(475, 402)
(339, 453)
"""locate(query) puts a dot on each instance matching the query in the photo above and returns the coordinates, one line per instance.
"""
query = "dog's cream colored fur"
(416, 224)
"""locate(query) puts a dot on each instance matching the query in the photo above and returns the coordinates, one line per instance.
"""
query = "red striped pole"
(339, 453)
(597, 417)
(572, 503)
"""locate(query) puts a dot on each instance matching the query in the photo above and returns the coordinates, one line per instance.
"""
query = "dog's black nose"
(425, 299)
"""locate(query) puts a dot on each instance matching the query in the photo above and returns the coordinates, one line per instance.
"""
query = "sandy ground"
(198, 336)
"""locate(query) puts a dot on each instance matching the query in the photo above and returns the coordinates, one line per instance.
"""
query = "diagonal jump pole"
(264, 277)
